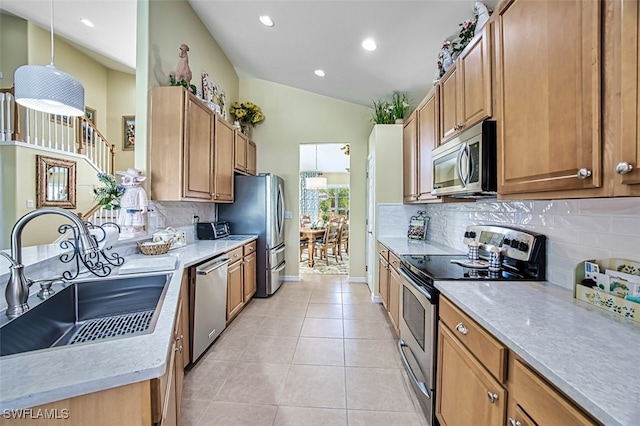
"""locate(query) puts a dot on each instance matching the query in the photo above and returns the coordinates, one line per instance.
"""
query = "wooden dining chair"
(343, 245)
(329, 242)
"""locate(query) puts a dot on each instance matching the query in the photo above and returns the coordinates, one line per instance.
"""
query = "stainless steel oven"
(417, 344)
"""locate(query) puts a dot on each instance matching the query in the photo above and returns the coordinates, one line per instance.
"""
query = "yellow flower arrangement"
(247, 113)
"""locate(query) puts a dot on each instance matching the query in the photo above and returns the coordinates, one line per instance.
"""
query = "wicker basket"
(151, 248)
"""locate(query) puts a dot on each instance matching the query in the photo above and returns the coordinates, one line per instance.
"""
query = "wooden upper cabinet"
(449, 105)
(224, 159)
(180, 146)
(474, 67)
(252, 157)
(240, 157)
(427, 140)
(548, 88)
(198, 155)
(409, 158)
(245, 156)
(465, 89)
(630, 74)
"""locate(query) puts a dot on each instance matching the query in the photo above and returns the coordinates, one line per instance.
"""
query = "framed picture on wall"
(128, 132)
(90, 115)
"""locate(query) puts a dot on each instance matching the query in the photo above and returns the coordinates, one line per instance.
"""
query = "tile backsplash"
(179, 215)
(576, 229)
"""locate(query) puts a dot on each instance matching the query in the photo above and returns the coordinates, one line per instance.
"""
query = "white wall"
(576, 230)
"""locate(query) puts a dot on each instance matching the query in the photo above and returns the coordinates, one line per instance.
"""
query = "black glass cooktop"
(441, 267)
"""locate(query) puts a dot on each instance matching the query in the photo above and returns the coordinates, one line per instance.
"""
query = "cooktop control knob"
(506, 242)
(472, 234)
(514, 243)
(523, 246)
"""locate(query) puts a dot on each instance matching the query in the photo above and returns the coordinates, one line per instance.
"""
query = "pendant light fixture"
(316, 182)
(47, 89)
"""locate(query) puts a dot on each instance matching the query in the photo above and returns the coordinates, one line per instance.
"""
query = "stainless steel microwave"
(466, 166)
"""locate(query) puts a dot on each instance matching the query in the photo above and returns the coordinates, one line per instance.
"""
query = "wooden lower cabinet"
(539, 403)
(467, 393)
(394, 298)
(235, 294)
(186, 317)
(383, 280)
(249, 272)
(481, 382)
(124, 405)
(241, 279)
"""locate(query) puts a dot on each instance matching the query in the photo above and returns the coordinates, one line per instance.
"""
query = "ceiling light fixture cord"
(51, 32)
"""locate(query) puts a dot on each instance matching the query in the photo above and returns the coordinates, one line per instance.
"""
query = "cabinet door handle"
(514, 422)
(583, 173)
(492, 397)
(622, 168)
(462, 329)
(179, 348)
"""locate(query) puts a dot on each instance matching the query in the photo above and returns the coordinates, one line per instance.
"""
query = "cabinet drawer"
(486, 348)
(383, 251)
(235, 255)
(542, 402)
(249, 248)
(394, 261)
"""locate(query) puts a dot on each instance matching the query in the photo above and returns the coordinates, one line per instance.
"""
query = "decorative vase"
(246, 130)
(399, 121)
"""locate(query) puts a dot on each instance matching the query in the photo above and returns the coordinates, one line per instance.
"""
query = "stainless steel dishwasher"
(210, 303)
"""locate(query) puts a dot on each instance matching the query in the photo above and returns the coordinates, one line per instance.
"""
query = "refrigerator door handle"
(280, 267)
(280, 211)
(280, 250)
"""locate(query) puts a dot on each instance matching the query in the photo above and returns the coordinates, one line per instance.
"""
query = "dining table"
(311, 234)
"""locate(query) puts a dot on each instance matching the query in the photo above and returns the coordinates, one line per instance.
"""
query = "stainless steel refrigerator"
(258, 208)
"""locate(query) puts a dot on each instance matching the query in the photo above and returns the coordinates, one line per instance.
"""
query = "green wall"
(295, 116)
(13, 47)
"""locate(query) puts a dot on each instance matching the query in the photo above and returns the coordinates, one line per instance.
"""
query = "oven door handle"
(421, 289)
(420, 385)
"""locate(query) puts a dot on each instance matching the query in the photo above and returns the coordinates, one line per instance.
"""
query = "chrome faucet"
(17, 291)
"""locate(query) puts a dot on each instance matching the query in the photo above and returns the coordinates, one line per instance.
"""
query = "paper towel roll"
(106, 236)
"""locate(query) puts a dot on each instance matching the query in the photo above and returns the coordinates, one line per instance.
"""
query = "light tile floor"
(318, 352)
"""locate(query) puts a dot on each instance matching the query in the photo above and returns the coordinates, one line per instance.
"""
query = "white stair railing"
(54, 132)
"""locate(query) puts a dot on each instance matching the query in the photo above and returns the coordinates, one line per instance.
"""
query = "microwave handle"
(467, 150)
(461, 151)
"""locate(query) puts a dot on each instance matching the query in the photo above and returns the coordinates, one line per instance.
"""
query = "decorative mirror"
(56, 182)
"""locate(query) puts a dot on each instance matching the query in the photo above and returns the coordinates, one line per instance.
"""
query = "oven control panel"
(514, 243)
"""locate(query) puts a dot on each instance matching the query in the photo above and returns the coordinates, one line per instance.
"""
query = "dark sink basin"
(85, 312)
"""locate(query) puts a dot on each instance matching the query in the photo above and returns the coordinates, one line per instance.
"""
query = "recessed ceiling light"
(369, 44)
(87, 22)
(319, 73)
(266, 21)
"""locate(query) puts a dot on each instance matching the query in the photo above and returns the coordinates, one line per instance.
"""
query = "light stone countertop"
(586, 352)
(38, 377)
(403, 245)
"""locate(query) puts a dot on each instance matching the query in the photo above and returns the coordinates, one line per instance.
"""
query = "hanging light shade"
(316, 183)
(47, 89)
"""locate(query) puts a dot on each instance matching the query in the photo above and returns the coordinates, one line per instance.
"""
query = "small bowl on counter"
(152, 248)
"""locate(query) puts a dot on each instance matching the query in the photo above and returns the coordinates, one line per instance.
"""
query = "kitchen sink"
(87, 311)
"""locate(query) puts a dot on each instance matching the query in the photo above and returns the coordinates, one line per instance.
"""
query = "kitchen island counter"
(38, 377)
(586, 352)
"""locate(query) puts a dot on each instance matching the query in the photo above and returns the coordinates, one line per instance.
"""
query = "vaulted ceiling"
(308, 35)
